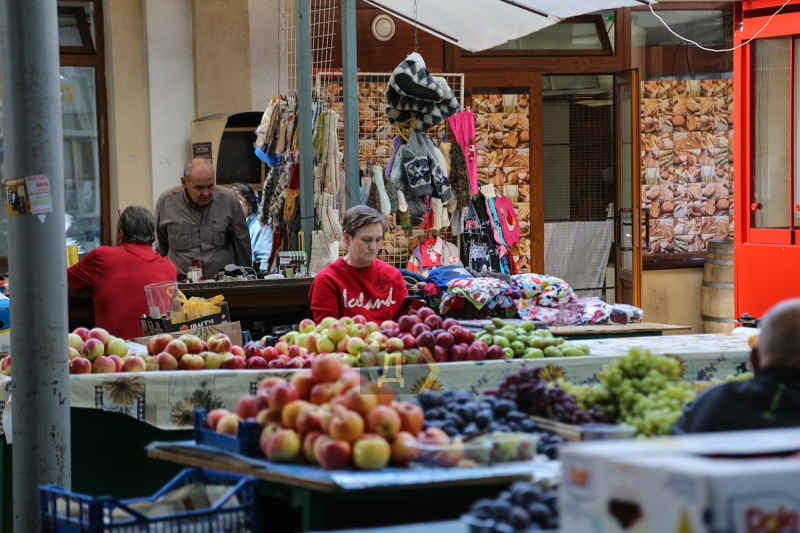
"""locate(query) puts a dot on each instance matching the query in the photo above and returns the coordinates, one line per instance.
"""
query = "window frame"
(747, 27)
(93, 56)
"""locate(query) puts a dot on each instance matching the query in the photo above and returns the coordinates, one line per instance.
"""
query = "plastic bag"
(196, 307)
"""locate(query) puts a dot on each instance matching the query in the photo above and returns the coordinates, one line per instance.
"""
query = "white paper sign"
(39, 194)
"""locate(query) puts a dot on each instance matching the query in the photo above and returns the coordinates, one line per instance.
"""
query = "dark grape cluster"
(532, 395)
(524, 507)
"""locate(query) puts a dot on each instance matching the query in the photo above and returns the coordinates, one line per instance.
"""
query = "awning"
(477, 25)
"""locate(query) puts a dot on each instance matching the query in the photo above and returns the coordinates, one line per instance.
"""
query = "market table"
(323, 495)
(166, 400)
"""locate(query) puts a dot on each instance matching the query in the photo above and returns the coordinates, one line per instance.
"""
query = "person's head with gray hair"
(779, 341)
(136, 225)
(198, 180)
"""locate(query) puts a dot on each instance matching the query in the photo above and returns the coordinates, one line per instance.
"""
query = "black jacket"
(770, 400)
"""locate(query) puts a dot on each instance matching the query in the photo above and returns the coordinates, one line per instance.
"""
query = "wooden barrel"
(716, 293)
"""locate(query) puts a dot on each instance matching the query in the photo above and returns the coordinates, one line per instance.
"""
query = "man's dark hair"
(137, 225)
(248, 194)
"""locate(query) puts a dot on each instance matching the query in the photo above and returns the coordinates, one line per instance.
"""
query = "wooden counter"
(246, 299)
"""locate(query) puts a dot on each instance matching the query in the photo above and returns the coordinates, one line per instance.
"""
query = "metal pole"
(303, 48)
(350, 78)
(37, 256)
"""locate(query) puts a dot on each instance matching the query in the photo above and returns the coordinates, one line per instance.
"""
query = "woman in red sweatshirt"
(359, 283)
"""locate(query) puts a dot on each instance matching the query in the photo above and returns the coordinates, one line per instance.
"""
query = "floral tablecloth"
(166, 399)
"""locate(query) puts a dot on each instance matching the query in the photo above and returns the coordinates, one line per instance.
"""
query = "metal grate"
(375, 136)
(323, 31)
(578, 160)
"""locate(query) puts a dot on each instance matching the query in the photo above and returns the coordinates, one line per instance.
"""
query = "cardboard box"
(679, 485)
(231, 329)
(156, 326)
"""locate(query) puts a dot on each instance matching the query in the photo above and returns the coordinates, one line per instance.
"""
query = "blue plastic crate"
(64, 511)
(247, 441)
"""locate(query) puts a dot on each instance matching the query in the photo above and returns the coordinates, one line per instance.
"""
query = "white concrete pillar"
(170, 71)
(265, 60)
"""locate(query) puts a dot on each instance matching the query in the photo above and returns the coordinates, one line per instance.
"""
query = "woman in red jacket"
(359, 283)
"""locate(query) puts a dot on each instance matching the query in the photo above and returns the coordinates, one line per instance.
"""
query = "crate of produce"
(195, 500)
(246, 441)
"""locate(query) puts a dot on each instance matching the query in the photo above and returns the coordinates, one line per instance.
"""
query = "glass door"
(627, 208)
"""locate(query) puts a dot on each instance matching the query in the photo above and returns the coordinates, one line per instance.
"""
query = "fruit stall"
(464, 396)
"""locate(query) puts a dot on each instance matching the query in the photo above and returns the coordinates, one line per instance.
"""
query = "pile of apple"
(329, 416)
(357, 342)
(96, 351)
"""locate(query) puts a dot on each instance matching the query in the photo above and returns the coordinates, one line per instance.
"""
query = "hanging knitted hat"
(424, 117)
(458, 176)
(411, 79)
(385, 203)
(440, 182)
(397, 144)
(417, 164)
(290, 206)
(415, 204)
(391, 193)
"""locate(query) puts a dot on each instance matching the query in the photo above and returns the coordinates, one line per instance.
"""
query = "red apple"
(444, 339)
(92, 349)
(384, 421)
(418, 329)
(191, 361)
(309, 419)
(448, 323)
(233, 362)
(246, 407)
(407, 322)
(213, 361)
(440, 354)
(409, 341)
(228, 424)
(434, 322)
(306, 325)
(294, 351)
(322, 393)
(133, 363)
(277, 363)
(476, 353)
(219, 343)
(457, 353)
(425, 312)
(176, 349)
(334, 454)
(412, 417)
(391, 333)
(79, 365)
(214, 416)
(117, 361)
(99, 334)
(166, 362)
(193, 344)
(270, 353)
(469, 336)
(257, 363)
(262, 400)
(426, 339)
(282, 347)
(252, 349)
(495, 352)
(359, 330)
(83, 333)
(237, 351)
(326, 369)
(359, 319)
(281, 394)
(296, 363)
(388, 324)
